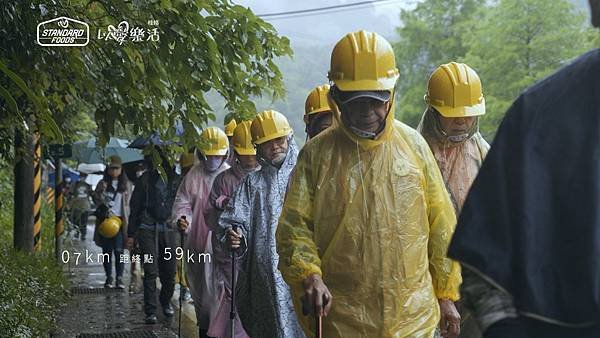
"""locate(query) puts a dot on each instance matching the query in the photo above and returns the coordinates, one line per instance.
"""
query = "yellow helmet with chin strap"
(242, 139)
(363, 65)
(230, 127)
(454, 90)
(317, 101)
(214, 142)
(269, 125)
(363, 61)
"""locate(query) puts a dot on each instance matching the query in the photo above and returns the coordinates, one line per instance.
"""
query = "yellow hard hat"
(363, 61)
(187, 160)
(316, 102)
(215, 142)
(269, 125)
(230, 127)
(454, 90)
(242, 139)
(110, 227)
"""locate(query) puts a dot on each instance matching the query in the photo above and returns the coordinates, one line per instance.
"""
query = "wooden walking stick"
(319, 326)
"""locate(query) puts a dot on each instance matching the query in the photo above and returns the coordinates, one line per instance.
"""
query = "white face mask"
(213, 163)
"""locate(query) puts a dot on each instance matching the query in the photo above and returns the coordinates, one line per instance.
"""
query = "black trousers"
(162, 266)
(523, 327)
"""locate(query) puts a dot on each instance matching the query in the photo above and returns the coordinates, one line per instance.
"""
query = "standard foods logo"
(63, 31)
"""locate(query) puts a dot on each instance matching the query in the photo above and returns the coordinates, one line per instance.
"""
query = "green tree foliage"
(510, 43)
(518, 42)
(146, 86)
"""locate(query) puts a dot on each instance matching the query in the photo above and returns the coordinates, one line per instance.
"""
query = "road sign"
(61, 150)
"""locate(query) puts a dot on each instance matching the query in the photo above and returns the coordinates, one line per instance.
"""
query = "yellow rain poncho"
(374, 219)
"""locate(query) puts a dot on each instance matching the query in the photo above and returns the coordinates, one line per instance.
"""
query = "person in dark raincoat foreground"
(528, 236)
(263, 298)
(366, 224)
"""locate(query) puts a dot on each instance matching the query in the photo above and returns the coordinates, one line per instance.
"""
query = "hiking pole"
(232, 312)
(319, 326)
(181, 234)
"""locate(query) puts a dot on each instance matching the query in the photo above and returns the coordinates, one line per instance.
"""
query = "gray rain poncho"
(263, 298)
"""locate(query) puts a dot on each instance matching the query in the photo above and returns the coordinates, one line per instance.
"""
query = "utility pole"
(58, 151)
(58, 208)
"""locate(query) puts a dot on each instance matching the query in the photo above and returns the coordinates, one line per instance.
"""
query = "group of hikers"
(358, 226)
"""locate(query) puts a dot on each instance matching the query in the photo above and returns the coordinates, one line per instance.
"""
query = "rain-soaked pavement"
(97, 312)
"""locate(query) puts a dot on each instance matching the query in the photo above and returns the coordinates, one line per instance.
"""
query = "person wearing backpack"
(151, 204)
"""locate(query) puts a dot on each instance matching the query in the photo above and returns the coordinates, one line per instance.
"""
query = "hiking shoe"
(168, 310)
(119, 284)
(108, 283)
(151, 319)
(185, 295)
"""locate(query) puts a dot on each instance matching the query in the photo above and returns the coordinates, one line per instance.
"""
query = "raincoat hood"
(290, 157)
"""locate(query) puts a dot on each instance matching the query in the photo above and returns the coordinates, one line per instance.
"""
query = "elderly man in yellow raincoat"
(367, 220)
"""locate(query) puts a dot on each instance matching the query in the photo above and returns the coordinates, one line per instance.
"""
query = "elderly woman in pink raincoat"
(224, 187)
(190, 209)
